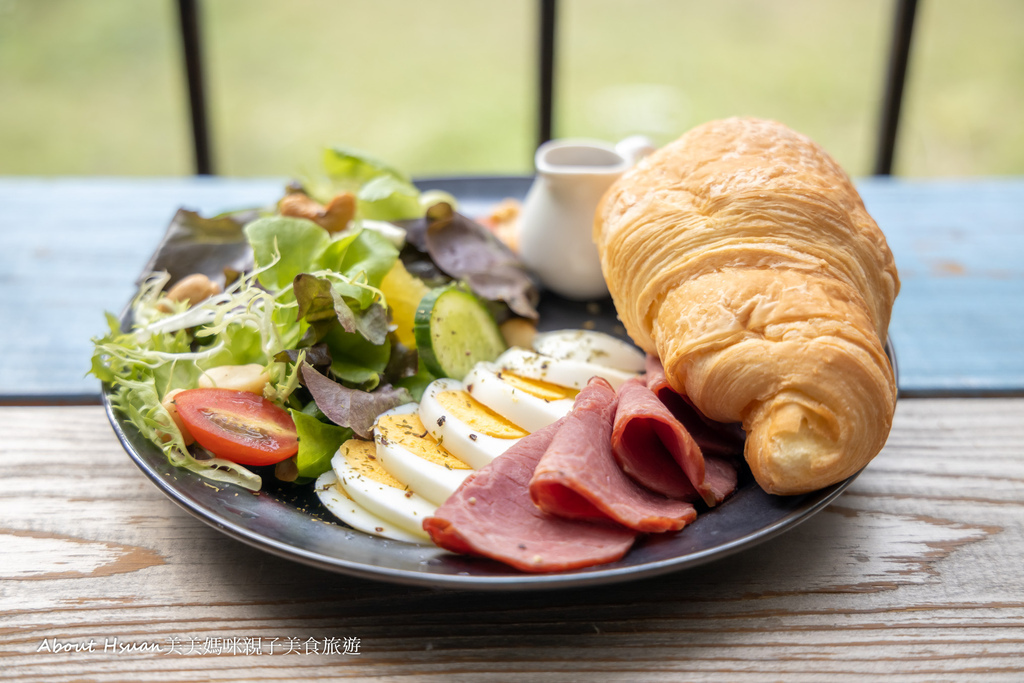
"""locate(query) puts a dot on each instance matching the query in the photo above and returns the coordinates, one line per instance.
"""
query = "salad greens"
(194, 244)
(320, 441)
(382, 191)
(308, 305)
(357, 410)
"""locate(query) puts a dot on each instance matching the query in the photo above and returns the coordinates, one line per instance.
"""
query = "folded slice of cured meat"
(491, 514)
(654, 448)
(578, 477)
(714, 438)
(639, 447)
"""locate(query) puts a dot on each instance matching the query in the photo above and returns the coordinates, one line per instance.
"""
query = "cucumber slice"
(454, 331)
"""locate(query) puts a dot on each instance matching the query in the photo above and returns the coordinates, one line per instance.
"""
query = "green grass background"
(447, 86)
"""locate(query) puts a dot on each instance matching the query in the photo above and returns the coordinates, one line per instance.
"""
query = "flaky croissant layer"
(742, 256)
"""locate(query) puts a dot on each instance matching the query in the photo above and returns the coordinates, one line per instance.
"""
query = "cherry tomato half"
(239, 426)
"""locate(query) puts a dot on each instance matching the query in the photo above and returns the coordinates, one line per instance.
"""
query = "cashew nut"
(334, 217)
(193, 289)
(251, 377)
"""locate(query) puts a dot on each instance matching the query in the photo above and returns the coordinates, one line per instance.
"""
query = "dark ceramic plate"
(291, 523)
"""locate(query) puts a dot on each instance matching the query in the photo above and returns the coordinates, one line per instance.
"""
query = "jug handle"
(634, 148)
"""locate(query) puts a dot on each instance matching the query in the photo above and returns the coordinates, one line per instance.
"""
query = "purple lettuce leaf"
(352, 408)
(466, 250)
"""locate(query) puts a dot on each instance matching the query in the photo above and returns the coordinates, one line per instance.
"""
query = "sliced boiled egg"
(590, 347)
(466, 428)
(370, 485)
(334, 498)
(563, 372)
(411, 455)
(533, 404)
(421, 453)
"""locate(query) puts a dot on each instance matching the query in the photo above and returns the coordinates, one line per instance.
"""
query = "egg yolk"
(539, 388)
(477, 416)
(361, 457)
(408, 432)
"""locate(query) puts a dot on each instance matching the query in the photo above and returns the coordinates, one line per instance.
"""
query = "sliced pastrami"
(578, 477)
(718, 439)
(654, 448)
(720, 476)
(491, 514)
(639, 448)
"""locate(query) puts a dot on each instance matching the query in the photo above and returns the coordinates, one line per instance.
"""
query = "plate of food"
(364, 378)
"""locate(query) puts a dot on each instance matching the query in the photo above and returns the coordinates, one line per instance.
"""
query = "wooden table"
(915, 573)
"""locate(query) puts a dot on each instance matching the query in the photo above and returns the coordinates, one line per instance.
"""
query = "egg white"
(524, 409)
(347, 510)
(457, 437)
(401, 507)
(590, 347)
(566, 373)
(428, 479)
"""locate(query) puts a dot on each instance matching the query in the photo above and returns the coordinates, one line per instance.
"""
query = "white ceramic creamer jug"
(557, 221)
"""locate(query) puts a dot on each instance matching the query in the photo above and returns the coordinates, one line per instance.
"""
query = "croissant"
(743, 257)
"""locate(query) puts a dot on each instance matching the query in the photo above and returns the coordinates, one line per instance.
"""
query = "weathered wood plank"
(958, 246)
(914, 573)
(71, 248)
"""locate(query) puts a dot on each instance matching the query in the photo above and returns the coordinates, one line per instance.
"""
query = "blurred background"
(96, 87)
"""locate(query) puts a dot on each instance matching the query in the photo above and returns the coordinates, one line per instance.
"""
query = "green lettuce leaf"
(356, 360)
(363, 257)
(370, 255)
(348, 165)
(387, 198)
(334, 255)
(416, 384)
(321, 305)
(382, 191)
(241, 345)
(346, 170)
(355, 374)
(284, 247)
(318, 442)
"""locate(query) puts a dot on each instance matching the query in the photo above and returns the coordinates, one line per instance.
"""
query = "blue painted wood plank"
(959, 246)
(71, 248)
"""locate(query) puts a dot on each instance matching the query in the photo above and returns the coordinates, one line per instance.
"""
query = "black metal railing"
(895, 79)
(888, 126)
(191, 47)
